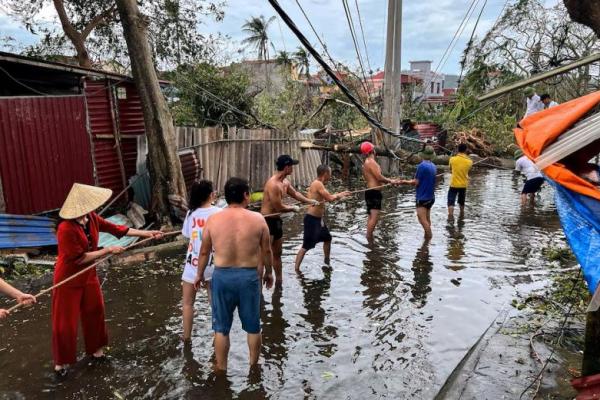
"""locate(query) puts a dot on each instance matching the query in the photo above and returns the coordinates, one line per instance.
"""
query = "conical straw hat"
(83, 199)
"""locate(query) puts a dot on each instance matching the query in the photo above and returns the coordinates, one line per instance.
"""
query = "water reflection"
(421, 267)
(315, 291)
(456, 243)
(274, 326)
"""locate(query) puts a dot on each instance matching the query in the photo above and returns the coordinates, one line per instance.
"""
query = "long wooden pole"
(70, 278)
(540, 77)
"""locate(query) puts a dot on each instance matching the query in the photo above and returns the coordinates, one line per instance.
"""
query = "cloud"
(428, 27)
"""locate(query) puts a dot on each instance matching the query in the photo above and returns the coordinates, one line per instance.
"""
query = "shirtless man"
(374, 178)
(315, 230)
(275, 189)
(240, 241)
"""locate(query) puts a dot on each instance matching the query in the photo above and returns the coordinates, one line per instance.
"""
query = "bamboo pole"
(86, 269)
(540, 77)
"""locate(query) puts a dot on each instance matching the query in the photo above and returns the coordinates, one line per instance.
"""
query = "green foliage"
(172, 27)
(194, 106)
(292, 108)
(257, 29)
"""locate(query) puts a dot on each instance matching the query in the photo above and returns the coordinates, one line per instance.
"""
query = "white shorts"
(190, 273)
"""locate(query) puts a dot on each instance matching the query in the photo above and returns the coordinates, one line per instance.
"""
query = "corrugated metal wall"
(44, 149)
(127, 117)
(248, 153)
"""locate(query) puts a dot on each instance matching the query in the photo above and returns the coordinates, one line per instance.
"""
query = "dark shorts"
(453, 193)
(425, 203)
(315, 232)
(533, 185)
(373, 199)
(275, 225)
(233, 288)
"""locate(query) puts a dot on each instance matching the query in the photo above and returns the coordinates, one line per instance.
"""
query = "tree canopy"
(93, 30)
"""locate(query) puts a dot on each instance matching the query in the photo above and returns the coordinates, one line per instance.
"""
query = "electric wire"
(343, 88)
(312, 27)
(350, 21)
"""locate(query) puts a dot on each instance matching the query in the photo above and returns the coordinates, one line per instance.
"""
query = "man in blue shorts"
(242, 258)
(425, 183)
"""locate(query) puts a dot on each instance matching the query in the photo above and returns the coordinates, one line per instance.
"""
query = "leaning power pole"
(393, 71)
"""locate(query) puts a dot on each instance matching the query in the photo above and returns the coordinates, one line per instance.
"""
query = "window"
(438, 87)
(432, 86)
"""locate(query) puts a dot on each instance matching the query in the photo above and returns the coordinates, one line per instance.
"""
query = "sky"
(428, 28)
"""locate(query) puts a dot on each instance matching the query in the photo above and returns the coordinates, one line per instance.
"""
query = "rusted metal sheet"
(44, 149)
(131, 117)
(427, 130)
(190, 167)
(130, 122)
(18, 231)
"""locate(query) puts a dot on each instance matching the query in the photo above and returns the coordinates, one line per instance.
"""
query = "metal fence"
(247, 153)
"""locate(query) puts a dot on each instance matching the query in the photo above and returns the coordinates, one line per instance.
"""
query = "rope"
(353, 192)
(48, 290)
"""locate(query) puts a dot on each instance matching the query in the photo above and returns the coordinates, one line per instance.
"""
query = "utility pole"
(393, 71)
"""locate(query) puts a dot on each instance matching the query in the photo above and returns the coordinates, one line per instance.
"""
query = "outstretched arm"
(331, 197)
(299, 196)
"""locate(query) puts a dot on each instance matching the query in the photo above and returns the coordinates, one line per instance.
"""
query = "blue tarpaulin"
(580, 220)
(20, 231)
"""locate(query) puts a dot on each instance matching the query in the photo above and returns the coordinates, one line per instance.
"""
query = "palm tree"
(302, 61)
(284, 58)
(258, 36)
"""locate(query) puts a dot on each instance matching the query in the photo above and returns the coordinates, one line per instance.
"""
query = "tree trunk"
(163, 161)
(591, 351)
(586, 12)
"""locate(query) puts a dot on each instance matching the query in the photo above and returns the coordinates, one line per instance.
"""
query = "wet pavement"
(387, 320)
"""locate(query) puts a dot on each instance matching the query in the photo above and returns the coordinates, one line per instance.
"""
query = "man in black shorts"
(374, 180)
(275, 189)
(315, 230)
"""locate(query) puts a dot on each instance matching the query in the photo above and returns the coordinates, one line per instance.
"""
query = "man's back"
(236, 235)
(460, 165)
(313, 194)
(426, 176)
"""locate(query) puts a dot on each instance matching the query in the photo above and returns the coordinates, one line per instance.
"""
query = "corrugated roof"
(106, 239)
(18, 231)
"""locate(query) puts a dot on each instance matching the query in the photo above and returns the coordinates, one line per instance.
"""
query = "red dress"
(82, 296)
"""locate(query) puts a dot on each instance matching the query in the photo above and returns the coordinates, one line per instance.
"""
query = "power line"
(316, 34)
(470, 42)
(374, 122)
(452, 43)
(362, 31)
(356, 47)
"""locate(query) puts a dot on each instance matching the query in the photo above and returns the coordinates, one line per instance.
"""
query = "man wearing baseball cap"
(374, 179)
(275, 189)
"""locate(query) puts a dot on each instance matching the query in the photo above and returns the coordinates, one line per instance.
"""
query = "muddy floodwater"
(388, 320)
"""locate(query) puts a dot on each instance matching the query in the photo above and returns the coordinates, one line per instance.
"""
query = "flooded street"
(388, 320)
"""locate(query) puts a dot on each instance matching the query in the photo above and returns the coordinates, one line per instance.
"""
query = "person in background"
(534, 103)
(81, 297)
(374, 180)
(202, 195)
(460, 165)
(425, 189)
(276, 188)
(547, 101)
(315, 230)
(533, 176)
(22, 298)
(242, 257)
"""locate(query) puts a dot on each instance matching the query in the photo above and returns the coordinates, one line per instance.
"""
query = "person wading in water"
(425, 185)
(275, 189)
(202, 196)
(374, 179)
(242, 258)
(315, 230)
(460, 165)
(81, 298)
